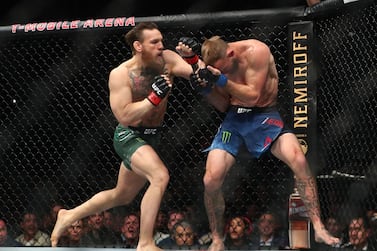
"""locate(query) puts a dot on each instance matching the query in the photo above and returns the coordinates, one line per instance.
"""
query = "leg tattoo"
(307, 189)
(215, 206)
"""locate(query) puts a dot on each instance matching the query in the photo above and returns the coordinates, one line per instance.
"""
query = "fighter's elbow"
(124, 118)
(127, 122)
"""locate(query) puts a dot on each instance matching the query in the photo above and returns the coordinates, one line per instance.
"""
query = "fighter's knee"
(300, 165)
(164, 177)
(118, 195)
(210, 182)
(126, 199)
(300, 159)
(161, 178)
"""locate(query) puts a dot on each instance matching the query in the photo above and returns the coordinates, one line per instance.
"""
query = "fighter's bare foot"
(216, 246)
(323, 236)
(61, 224)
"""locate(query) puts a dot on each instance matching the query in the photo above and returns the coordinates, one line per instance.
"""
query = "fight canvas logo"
(225, 137)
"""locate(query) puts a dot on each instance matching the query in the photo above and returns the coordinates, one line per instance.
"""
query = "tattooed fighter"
(243, 81)
(138, 89)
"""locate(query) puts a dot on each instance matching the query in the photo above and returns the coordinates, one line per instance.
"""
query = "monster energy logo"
(225, 137)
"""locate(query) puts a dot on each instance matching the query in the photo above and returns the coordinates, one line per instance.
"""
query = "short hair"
(136, 33)
(184, 224)
(128, 214)
(4, 220)
(248, 224)
(29, 211)
(213, 49)
(273, 214)
(363, 217)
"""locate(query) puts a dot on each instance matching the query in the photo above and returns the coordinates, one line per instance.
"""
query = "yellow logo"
(304, 145)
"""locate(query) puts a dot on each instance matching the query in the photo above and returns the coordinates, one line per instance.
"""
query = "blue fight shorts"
(256, 127)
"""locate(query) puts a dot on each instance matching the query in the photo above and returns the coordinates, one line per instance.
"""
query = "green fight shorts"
(128, 139)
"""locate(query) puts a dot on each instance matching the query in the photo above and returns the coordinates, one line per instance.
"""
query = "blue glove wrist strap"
(222, 80)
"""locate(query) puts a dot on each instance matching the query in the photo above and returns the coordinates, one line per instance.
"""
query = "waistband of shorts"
(147, 130)
(242, 109)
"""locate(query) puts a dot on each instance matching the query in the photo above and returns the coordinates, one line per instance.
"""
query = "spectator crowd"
(178, 229)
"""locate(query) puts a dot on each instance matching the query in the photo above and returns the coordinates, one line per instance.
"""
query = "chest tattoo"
(141, 82)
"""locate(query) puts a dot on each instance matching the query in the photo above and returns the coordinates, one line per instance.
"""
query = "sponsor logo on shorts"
(124, 135)
(273, 122)
(243, 110)
(225, 137)
(267, 142)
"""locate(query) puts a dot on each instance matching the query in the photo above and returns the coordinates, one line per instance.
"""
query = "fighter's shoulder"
(122, 69)
(257, 44)
(257, 48)
(256, 53)
(121, 73)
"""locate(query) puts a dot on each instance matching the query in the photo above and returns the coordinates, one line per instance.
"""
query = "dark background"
(53, 146)
(25, 11)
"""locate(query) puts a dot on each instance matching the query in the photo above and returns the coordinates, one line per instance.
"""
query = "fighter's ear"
(230, 53)
(138, 46)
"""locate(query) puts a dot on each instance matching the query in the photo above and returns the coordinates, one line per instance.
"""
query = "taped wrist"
(192, 59)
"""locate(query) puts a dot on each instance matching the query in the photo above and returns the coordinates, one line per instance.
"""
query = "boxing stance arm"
(245, 93)
(160, 89)
(125, 110)
(189, 49)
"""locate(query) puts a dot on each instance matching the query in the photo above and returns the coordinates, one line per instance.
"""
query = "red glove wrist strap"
(192, 60)
(154, 99)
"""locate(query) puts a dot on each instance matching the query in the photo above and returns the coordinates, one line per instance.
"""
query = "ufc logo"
(150, 131)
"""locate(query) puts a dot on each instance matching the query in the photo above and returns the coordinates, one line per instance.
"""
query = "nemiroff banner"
(302, 79)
